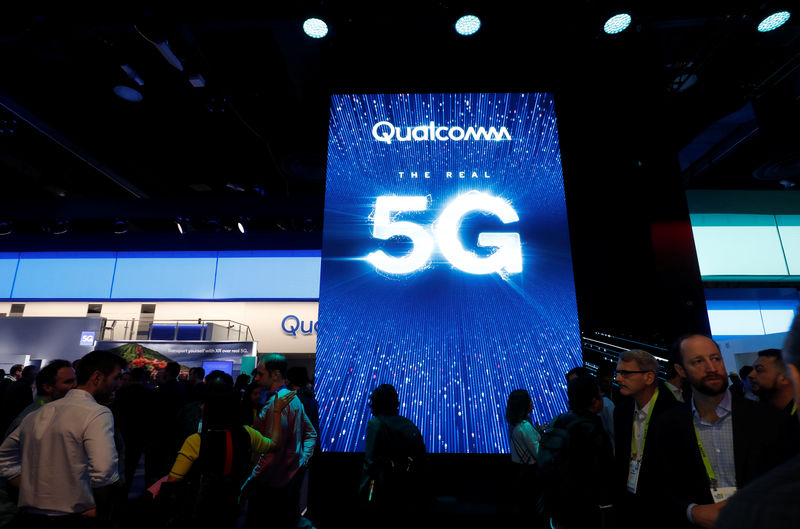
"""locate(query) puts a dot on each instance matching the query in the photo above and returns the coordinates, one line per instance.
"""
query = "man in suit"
(716, 444)
(771, 500)
(634, 468)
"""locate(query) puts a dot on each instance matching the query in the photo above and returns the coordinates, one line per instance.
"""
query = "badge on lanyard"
(722, 493)
(633, 474)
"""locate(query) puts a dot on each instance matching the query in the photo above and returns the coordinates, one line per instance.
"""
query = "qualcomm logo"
(386, 132)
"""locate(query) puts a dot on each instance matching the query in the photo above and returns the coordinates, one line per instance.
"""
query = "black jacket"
(760, 438)
(623, 431)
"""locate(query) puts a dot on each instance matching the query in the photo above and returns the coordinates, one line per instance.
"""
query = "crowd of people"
(634, 449)
(70, 455)
(688, 450)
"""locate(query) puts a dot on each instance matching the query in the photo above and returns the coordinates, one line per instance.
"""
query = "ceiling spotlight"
(468, 25)
(120, 226)
(774, 21)
(5, 228)
(241, 223)
(128, 94)
(617, 24)
(180, 222)
(59, 227)
(315, 28)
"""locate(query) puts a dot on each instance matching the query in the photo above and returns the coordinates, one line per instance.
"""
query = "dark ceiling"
(251, 142)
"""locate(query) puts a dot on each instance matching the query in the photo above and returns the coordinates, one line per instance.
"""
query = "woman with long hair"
(524, 441)
(214, 475)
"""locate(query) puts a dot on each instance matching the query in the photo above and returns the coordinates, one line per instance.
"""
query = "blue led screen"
(446, 266)
(8, 272)
(45, 275)
(182, 275)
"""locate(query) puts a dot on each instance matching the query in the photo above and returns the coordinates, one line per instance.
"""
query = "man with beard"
(62, 457)
(771, 500)
(707, 449)
(52, 383)
(771, 382)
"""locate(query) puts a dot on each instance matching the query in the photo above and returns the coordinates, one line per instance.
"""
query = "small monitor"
(210, 366)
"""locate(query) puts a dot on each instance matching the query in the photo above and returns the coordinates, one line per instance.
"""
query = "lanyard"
(674, 393)
(794, 409)
(634, 450)
(712, 477)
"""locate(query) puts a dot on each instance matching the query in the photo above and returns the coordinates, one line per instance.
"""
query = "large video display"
(446, 266)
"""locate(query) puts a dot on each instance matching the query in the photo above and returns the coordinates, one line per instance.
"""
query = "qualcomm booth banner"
(446, 266)
(225, 356)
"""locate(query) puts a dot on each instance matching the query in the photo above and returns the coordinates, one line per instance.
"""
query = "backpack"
(209, 494)
(552, 458)
(401, 459)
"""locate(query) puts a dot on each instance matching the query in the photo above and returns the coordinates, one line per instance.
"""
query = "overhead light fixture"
(315, 28)
(468, 25)
(179, 222)
(241, 223)
(58, 227)
(197, 81)
(235, 187)
(773, 21)
(166, 52)
(617, 24)
(128, 94)
(5, 228)
(132, 75)
(120, 226)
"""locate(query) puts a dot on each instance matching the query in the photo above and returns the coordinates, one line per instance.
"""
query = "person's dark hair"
(103, 361)
(791, 344)
(16, 368)
(581, 393)
(297, 376)
(197, 371)
(384, 401)
(220, 402)
(579, 371)
(173, 369)
(776, 356)
(275, 362)
(139, 374)
(2, 372)
(518, 406)
(744, 371)
(241, 383)
(675, 349)
(29, 374)
(248, 392)
(49, 374)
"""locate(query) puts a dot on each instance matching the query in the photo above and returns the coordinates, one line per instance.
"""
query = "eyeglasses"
(624, 373)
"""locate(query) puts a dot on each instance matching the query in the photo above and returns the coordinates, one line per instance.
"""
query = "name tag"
(722, 493)
(633, 475)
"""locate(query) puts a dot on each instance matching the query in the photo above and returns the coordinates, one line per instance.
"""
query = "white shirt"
(296, 446)
(62, 450)
(676, 391)
(639, 419)
(524, 443)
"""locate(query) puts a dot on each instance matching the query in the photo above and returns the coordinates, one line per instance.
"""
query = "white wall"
(264, 318)
(742, 346)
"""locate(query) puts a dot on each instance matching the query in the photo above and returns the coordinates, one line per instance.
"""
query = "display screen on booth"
(446, 266)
